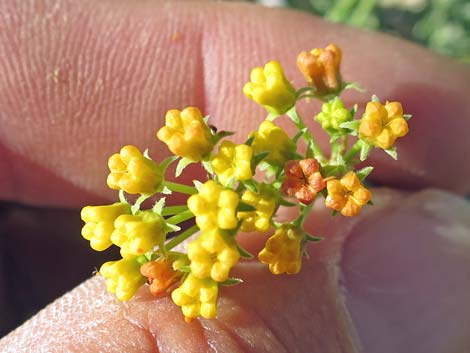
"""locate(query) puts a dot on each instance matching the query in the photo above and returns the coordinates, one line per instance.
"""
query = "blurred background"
(442, 25)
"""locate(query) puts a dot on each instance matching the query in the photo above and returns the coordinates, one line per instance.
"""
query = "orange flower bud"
(303, 180)
(321, 68)
(160, 274)
(382, 124)
(347, 195)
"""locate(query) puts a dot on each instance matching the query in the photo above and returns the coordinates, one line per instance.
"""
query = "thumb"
(366, 288)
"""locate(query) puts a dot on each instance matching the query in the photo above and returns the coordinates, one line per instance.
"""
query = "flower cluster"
(246, 185)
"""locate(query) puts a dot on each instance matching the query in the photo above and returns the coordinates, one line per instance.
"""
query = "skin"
(81, 79)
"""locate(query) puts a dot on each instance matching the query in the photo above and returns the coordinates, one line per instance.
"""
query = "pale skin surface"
(80, 79)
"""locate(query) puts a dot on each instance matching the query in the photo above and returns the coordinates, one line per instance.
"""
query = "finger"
(407, 275)
(81, 79)
(366, 285)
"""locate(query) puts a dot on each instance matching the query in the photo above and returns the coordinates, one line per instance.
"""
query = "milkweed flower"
(381, 124)
(273, 139)
(123, 277)
(232, 162)
(333, 114)
(212, 255)
(160, 274)
(282, 251)
(214, 206)
(139, 233)
(197, 297)
(347, 195)
(134, 173)
(269, 87)
(321, 68)
(99, 223)
(265, 202)
(303, 180)
(186, 134)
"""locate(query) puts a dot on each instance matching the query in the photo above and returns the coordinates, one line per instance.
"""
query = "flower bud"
(99, 223)
(186, 134)
(381, 124)
(134, 173)
(160, 274)
(212, 255)
(197, 297)
(321, 68)
(214, 206)
(265, 202)
(123, 277)
(273, 139)
(139, 233)
(333, 114)
(269, 87)
(347, 195)
(282, 251)
(303, 180)
(232, 162)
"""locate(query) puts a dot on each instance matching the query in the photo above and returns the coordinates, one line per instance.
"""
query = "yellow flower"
(186, 134)
(123, 277)
(269, 88)
(265, 203)
(212, 255)
(134, 173)
(197, 297)
(347, 195)
(139, 233)
(282, 251)
(273, 139)
(233, 161)
(382, 125)
(99, 223)
(321, 68)
(214, 207)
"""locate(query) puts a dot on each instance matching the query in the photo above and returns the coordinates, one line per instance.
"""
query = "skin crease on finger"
(81, 79)
(388, 281)
(104, 73)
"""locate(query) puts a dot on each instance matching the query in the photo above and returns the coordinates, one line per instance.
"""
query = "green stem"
(304, 212)
(303, 90)
(181, 217)
(122, 196)
(344, 144)
(355, 149)
(181, 188)
(181, 237)
(163, 249)
(307, 96)
(173, 210)
(334, 151)
(307, 136)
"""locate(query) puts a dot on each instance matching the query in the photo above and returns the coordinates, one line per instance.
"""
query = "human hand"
(81, 80)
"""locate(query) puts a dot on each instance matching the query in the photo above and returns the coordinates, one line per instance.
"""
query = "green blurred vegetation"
(442, 25)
